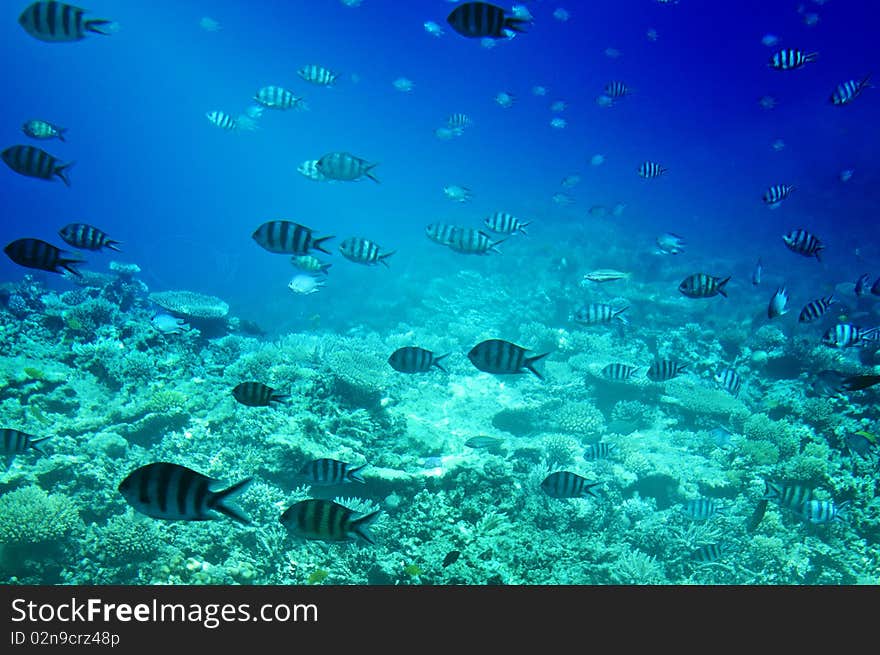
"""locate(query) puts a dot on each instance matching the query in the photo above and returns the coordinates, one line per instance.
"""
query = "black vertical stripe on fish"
(472, 242)
(363, 251)
(35, 253)
(845, 335)
(600, 450)
(502, 357)
(289, 238)
(709, 553)
(598, 313)
(57, 21)
(790, 59)
(618, 372)
(790, 495)
(82, 235)
(803, 243)
(481, 19)
(848, 91)
(757, 516)
(327, 521)
(163, 490)
(326, 471)
(16, 442)
(412, 359)
(729, 380)
(815, 309)
(702, 509)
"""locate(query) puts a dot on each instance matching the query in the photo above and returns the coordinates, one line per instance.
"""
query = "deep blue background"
(184, 196)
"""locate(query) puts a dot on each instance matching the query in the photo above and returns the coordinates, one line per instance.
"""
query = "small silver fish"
(778, 303)
(606, 275)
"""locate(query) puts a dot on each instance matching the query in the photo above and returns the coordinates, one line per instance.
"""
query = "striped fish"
(618, 372)
(777, 193)
(823, 511)
(318, 75)
(328, 472)
(34, 162)
(458, 121)
(288, 238)
(848, 91)
(222, 120)
(470, 241)
(595, 313)
(804, 243)
(441, 233)
(276, 97)
(729, 380)
(662, 370)
(790, 495)
(57, 22)
(617, 89)
(480, 19)
(38, 129)
(15, 442)
(845, 335)
(412, 359)
(310, 263)
(327, 521)
(82, 235)
(789, 59)
(505, 223)
(701, 285)
(170, 491)
(600, 450)
(502, 357)
(702, 509)
(345, 166)
(364, 251)
(710, 553)
(257, 394)
(36, 253)
(815, 309)
(651, 169)
(565, 484)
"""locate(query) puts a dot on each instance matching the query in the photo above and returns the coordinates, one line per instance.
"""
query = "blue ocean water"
(184, 196)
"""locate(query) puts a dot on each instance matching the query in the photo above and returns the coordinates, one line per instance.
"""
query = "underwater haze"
(430, 292)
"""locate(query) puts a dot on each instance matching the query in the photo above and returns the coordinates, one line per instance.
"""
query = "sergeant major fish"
(777, 193)
(364, 251)
(412, 359)
(790, 59)
(169, 491)
(288, 238)
(326, 520)
(565, 484)
(701, 285)
(328, 472)
(729, 380)
(848, 91)
(505, 223)
(470, 241)
(804, 243)
(58, 21)
(702, 509)
(601, 450)
(35, 162)
(481, 19)
(815, 309)
(309, 169)
(441, 233)
(662, 370)
(36, 253)
(276, 97)
(650, 169)
(345, 166)
(318, 75)
(257, 394)
(503, 357)
(82, 235)
(845, 335)
(310, 263)
(38, 129)
(618, 372)
(595, 313)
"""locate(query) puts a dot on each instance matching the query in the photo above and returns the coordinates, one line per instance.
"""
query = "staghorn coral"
(190, 303)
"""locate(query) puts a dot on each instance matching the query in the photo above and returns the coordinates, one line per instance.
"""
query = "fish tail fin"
(516, 24)
(60, 133)
(522, 227)
(110, 243)
(721, 286)
(316, 244)
(219, 501)
(360, 526)
(62, 172)
(279, 398)
(35, 445)
(325, 268)
(588, 490)
(495, 245)
(620, 317)
(811, 56)
(69, 265)
(369, 173)
(531, 360)
(436, 362)
(355, 474)
(384, 256)
(102, 26)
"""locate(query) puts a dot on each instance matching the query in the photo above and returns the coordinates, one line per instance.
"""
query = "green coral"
(29, 516)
